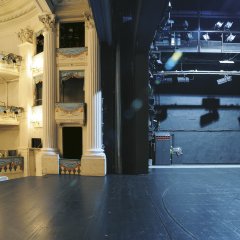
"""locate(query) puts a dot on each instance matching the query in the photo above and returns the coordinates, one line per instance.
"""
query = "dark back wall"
(206, 126)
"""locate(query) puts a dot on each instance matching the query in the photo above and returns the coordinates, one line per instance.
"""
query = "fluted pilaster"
(94, 137)
(49, 86)
(25, 94)
(94, 159)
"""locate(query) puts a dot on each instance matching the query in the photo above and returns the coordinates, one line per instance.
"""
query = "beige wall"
(9, 137)
(3, 92)
(9, 42)
(37, 132)
(9, 93)
(12, 93)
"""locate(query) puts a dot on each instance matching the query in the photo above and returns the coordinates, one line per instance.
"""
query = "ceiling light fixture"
(226, 61)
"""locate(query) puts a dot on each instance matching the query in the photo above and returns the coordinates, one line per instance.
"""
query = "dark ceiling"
(196, 19)
(231, 6)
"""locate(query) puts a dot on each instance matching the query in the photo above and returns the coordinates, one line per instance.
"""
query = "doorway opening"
(72, 142)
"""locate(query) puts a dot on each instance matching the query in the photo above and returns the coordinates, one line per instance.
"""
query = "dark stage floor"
(177, 204)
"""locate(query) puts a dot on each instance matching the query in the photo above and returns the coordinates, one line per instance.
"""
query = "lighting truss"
(198, 72)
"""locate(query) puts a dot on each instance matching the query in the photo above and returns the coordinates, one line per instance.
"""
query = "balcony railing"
(9, 65)
(70, 113)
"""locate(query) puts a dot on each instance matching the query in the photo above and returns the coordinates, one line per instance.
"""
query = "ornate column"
(25, 94)
(94, 160)
(49, 156)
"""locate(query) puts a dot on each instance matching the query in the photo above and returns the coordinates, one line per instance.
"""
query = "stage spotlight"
(225, 79)
(230, 38)
(178, 40)
(150, 74)
(173, 40)
(218, 25)
(183, 79)
(170, 21)
(228, 25)
(185, 24)
(206, 36)
(189, 36)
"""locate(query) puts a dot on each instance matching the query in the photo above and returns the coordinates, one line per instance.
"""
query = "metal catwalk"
(178, 204)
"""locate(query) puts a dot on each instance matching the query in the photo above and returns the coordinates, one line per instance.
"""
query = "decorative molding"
(2, 2)
(71, 64)
(10, 115)
(44, 6)
(71, 52)
(67, 2)
(69, 166)
(48, 21)
(11, 164)
(72, 57)
(26, 35)
(66, 75)
(70, 113)
(17, 13)
(9, 70)
(89, 21)
(12, 58)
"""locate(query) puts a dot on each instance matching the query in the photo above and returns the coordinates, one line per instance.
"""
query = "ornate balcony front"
(70, 113)
(9, 66)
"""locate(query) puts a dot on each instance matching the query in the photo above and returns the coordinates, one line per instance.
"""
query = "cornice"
(3, 2)
(18, 13)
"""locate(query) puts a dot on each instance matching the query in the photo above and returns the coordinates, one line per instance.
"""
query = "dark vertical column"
(141, 112)
(108, 93)
(134, 112)
(118, 113)
(127, 99)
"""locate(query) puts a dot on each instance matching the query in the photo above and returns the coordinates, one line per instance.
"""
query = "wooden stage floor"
(177, 204)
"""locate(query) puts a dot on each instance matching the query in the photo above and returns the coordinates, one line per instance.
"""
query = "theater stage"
(172, 203)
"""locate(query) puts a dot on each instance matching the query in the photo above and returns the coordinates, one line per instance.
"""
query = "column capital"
(26, 35)
(48, 21)
(89, 21)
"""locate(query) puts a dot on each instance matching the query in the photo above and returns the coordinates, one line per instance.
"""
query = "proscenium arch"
(126, 31)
